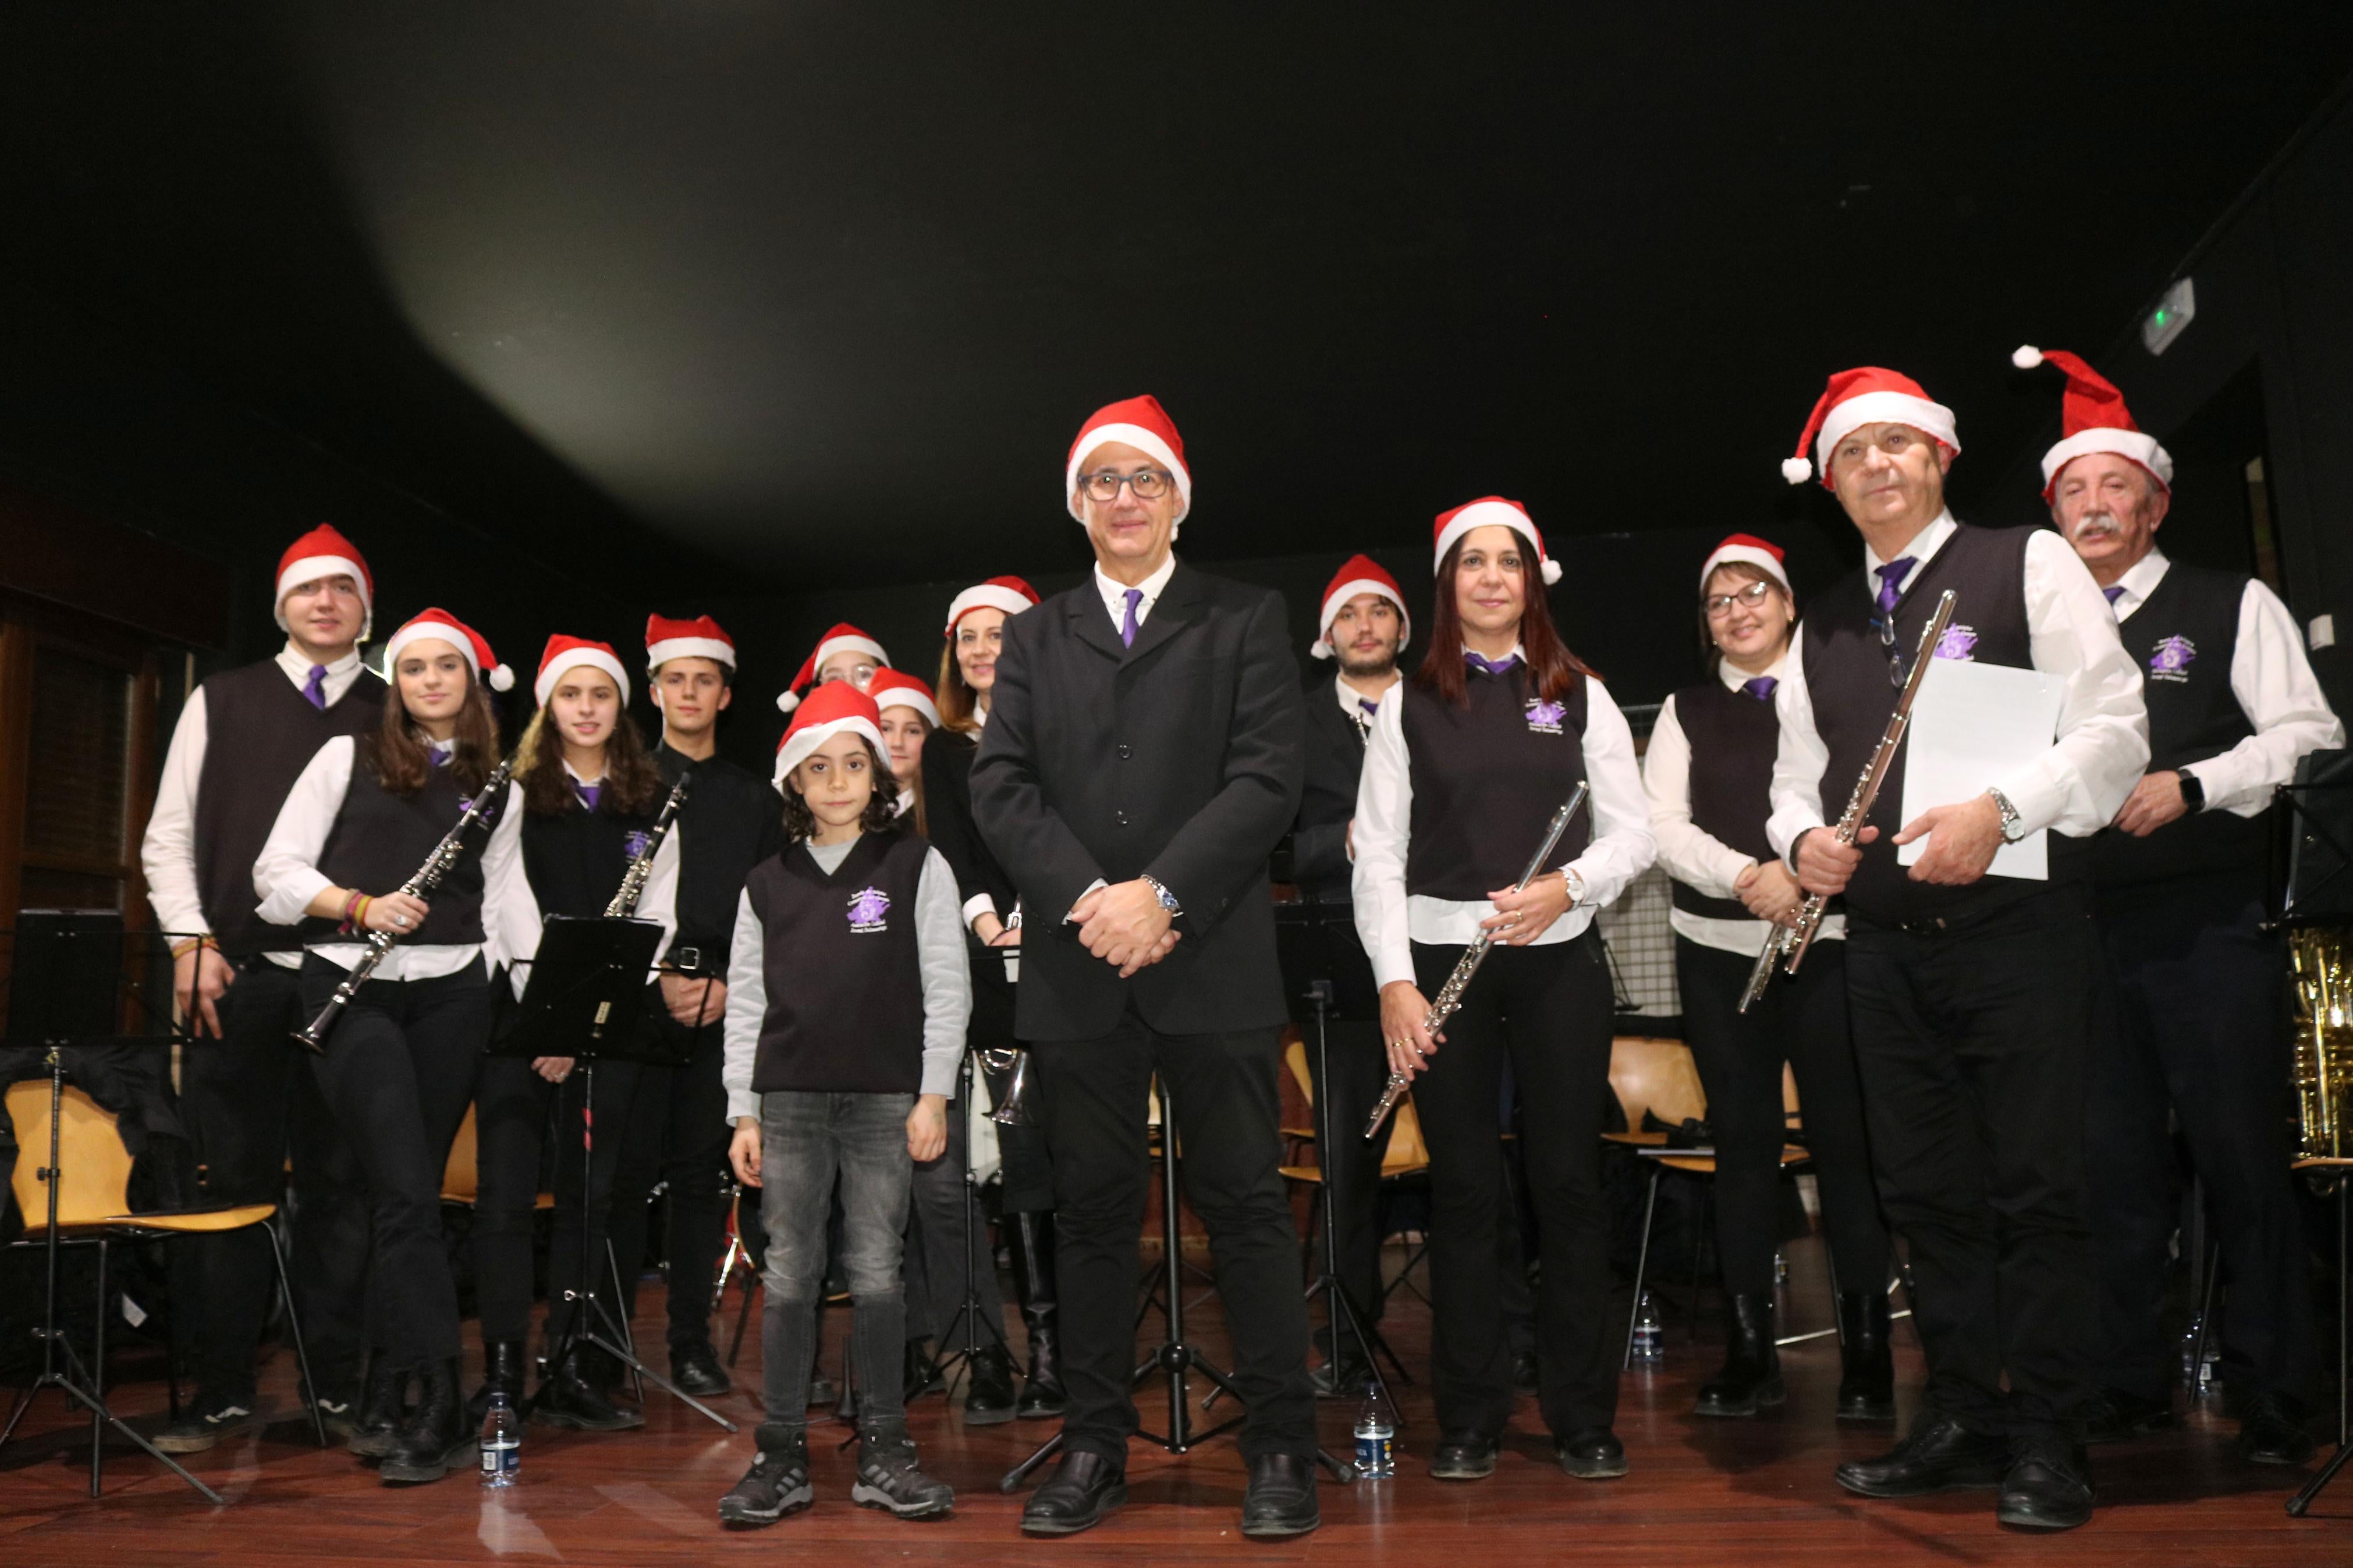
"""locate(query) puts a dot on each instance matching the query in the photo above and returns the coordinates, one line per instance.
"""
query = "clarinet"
(641, 867)
(1449, 996)
(313, 1035)
(1786, 946)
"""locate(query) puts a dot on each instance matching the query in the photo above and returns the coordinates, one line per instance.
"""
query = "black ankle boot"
(1751, 1378)
(566, 1398)
(1867, 1363)
(434, 1436)
(383, 1410)
(503, 1372)
(1032, 1238)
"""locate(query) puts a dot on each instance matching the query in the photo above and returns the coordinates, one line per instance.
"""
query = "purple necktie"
(1761, 688)
(315, 688)
(1491, 666)
(1133, 597)
(1369, 705)
(588, 794)
(2113, 594)
(1889, 576)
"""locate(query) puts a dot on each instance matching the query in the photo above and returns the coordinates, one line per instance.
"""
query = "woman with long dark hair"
(397, 1066)
(1467, 763)
(590, 792)
(1709, 775)
(992, 919)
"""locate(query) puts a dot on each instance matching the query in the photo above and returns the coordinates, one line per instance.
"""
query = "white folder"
(1972, 725)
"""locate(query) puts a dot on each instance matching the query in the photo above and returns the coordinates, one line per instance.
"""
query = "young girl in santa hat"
(847, 1001)
(396, 1066)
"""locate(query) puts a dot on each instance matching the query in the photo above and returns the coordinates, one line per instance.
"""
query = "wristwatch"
(1167, 899)
(2193, 793)
(2013, 826)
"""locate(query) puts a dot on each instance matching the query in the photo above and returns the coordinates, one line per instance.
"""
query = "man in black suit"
(1142, 760)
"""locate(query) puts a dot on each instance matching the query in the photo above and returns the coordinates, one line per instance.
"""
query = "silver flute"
(1786, 945)
(313, 1035)
(1449, 996)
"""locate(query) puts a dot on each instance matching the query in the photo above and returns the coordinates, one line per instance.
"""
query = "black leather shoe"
(1590, 1454)
(989, 1387)
(383, 1409)
(1041, 1390)
(1939, 1455)
(1463, 1457)
(1866, 1362)
(1751, 1378)
(2112, 1416)
(2048, 1486)
(2271, 1432)
(1083, 1488)
(565, 1398)
(695, 1369)
(1282, 1497)
(435, 1434)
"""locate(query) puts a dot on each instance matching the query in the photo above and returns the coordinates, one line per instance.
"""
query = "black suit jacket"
(1336, 763)
(1179, 758)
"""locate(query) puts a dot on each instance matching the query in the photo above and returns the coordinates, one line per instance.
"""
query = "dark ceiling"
(822, 291)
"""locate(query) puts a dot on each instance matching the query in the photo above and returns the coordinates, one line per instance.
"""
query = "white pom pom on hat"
(1797, 471)
(2026, 356)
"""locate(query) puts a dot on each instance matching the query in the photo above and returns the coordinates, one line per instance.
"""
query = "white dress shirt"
(287, 877)
(508, 898)
(1389, 921)
(2077, 785)
(168, 853)
(1352, 700)
(1114, 592)
(1691, 855)
(2274, 685)
(939, 957)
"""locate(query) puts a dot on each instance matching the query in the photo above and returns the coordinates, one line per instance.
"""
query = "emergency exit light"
(2175, 311)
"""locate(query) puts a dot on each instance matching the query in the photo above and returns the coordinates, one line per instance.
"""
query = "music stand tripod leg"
(2312, 1488)
(969, 1310)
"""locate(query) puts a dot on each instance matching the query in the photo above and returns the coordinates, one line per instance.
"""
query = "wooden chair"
(1406, 1156)
(94, 1210)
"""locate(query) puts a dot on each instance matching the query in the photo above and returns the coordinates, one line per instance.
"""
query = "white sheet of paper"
(1971, 724)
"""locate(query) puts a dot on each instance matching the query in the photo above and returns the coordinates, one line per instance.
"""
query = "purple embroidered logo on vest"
(1959, 642)
(1545, 717)
(2170, 659)
(866, 909)
(633, 843)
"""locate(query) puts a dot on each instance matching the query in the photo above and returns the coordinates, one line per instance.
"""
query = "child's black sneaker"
(777, 1483)
(889, 1477)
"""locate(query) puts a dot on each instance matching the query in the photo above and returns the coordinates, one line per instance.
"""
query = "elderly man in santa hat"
(2194, 1020)
(1971, 994)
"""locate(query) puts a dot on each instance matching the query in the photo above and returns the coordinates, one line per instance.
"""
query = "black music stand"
(970, 1310)
(585, 999)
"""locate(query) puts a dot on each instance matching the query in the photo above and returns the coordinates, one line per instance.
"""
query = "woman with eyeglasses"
(843, 653)
(1709, 774)
(1467, 763)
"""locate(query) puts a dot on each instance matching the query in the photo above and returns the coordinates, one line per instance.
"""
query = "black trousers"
(510, 1112)
(397, 1074)
(1803, 1020)
(1229, 1129)
(1973, 1046)
(1359, 1064)
(935, 1264)
(2193, 1021)
(1547, 1010)
(251, 1106)
(677, 1137)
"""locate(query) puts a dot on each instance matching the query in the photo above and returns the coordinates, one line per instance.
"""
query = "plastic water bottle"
(1375, 1435)
(501, 1443)
(1649, 1335)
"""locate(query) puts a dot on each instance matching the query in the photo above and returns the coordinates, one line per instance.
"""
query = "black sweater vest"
(1487, 777)
(2183, 635)
(1734, 739)
(845, 980)
(380, 839)
(730, 820)
(1848, 679)
(576, 858)
(260, 732)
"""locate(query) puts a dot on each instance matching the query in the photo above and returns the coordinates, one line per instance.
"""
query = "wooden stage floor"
(1711, 1492)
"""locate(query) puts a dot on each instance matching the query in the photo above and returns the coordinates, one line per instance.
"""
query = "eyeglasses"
(861, 676)
(1149, 484)
(1719, 606)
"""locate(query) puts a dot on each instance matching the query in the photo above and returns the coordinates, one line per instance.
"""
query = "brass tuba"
(2324, 1044)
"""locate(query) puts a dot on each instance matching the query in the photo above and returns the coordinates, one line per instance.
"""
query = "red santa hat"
(832, 708)
(323, 553)
(1010, 595)
(1749, 550)
(1485, 512)
(566, 653)
(1358, 574)
(1868, 395)
(701, 637)
(842, 638)
(441, 626)
(896, 689)
(1140, 422)
(2093, 419)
